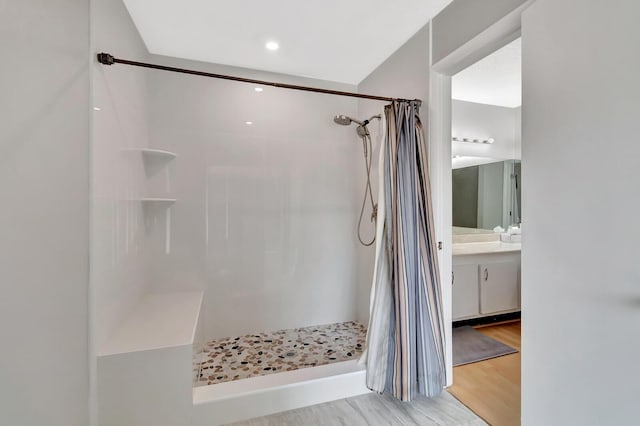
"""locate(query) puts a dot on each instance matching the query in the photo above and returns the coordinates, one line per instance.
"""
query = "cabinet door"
(499, 287)
(466, 302)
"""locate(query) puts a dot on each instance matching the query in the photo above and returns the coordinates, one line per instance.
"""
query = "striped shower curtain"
(405, 341)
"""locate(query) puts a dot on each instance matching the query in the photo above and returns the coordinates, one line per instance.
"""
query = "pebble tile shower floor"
(259, 354)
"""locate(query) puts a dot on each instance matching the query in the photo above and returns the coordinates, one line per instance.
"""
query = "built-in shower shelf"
(154, 160)
(153, 154)
(160, 202)
(157, 154)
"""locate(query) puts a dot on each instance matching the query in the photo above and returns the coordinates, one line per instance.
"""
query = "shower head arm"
(369, 120)
(344, 120)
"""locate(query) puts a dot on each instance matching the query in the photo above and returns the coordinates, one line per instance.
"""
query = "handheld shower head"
(364, 134)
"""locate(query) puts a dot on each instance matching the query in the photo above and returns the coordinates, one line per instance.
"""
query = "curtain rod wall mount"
(108, 59)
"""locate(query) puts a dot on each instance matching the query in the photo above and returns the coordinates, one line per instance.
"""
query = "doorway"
(485, 163)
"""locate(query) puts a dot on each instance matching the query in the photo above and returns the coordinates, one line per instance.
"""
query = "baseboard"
(490, 320)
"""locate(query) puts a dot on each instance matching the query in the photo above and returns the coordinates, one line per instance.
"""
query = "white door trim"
(496, 36)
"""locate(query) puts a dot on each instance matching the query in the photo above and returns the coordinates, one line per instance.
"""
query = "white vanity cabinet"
(498, 287)
(465, 289)
(485, 284)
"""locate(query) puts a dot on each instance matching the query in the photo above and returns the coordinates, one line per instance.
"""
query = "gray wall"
(470, 119)
(469, 18)
(580, 276)
(44, 238)
(405, 74)
(467, 31)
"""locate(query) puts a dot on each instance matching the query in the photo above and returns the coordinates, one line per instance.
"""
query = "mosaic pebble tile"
(259, 354)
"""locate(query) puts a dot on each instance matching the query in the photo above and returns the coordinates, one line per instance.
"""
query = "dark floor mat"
(469, 345)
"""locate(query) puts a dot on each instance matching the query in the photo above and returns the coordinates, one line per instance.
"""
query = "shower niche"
(156, 162)
(157, 209)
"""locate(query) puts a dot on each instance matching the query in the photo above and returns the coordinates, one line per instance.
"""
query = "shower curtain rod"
(108, 59)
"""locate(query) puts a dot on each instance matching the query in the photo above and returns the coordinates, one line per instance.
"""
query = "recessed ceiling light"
(97, 108)
(248, 123)
(272, 45)
(258, 89)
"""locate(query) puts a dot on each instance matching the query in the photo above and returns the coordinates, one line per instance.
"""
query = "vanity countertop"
(484, 247)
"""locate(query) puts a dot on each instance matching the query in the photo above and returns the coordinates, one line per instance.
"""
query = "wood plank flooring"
(376, 410)
(491, 388)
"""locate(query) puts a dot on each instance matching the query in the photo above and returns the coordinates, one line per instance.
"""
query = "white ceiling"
(494, 80)
(338, 40)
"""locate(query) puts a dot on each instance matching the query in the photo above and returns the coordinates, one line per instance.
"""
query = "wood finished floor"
(491, 388)
(376, 410)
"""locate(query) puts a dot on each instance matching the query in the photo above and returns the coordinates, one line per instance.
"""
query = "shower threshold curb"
(259, 396)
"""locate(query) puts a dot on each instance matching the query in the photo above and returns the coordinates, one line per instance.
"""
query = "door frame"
(493, 38)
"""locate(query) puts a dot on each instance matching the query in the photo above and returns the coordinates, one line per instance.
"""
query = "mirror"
(487, 195)
(486, 143)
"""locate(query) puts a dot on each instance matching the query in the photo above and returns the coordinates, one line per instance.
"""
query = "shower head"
(343, 120)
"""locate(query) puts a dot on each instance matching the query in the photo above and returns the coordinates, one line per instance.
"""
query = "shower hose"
(368, 193)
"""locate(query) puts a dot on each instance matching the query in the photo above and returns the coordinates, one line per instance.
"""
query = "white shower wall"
(119, 267)
(266, 214)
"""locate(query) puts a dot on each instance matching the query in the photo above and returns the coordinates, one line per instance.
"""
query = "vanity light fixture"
(486, 141)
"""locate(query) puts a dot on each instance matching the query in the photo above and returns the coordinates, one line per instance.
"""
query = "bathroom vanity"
(486, 264)
(486, 276)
